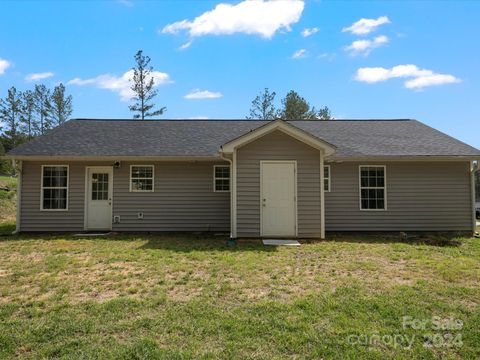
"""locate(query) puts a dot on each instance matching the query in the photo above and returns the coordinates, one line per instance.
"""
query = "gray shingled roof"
(359, 138)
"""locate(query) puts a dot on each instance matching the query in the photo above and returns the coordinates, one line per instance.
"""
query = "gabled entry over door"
(98, 203)
(278, 206)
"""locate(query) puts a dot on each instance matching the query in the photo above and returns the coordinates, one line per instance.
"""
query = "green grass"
(8, 188)
(194, 297)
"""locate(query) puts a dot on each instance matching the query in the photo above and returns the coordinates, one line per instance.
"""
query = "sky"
(364, 60)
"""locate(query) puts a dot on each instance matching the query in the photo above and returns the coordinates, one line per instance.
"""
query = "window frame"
(329, 178)
(130, 179)
(62, 187)
(368, 187)
(215, 178)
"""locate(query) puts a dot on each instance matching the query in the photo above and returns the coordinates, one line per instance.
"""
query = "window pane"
(325, 185)
(372, 184)
(222, 172)
(222, 185)
(326, 172)
(54, 198)
(142, 178)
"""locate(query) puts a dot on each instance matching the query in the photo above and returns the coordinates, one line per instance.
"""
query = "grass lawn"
(182, 297)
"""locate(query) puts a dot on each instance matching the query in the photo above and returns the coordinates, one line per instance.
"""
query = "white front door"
(99, 198)
(277, 198)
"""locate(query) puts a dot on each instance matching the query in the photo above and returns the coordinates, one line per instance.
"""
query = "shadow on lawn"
(191, 243)
(432, 239)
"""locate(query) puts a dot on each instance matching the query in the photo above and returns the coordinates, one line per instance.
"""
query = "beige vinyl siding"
(278, 146)
(422, 196)
(32, 218)
(183, 200)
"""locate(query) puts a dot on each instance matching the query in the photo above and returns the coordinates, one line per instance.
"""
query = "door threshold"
(279, 242)
(93, 234)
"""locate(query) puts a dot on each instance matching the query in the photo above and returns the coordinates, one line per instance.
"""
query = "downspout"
(18, 169)
(230, 161)
(473, 170)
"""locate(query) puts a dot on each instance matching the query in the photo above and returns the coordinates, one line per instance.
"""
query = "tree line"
(30, 113)
(293, 107)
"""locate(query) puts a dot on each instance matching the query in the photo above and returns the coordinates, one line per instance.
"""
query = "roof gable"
(283, 126)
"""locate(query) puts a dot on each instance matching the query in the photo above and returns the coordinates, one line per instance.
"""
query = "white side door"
(278, 198)
(99, 198)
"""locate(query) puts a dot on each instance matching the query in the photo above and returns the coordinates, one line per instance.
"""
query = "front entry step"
(275, 242)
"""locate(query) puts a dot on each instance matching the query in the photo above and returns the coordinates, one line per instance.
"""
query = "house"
(250, 178)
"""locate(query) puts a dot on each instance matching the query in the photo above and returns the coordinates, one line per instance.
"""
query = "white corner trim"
(322, 195)
(19, 170)
(472, 195)
(234, 193)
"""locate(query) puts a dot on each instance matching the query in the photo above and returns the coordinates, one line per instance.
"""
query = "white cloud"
(307, 32)
(254, 17)
(299, 54)
(185, 45)
(202, 94)
(127, 3)
(366, 26)
(364, 47)
(4, 65)
(120, 85)
(431, 80)
(38, 76)
(419, 78)
(327, 56)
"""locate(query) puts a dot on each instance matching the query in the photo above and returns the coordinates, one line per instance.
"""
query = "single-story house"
(246, 177)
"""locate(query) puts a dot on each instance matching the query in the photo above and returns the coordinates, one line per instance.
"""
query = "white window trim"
(329, 178)
(215, 179)
(42, 188)
(384, 187)
(153, 179)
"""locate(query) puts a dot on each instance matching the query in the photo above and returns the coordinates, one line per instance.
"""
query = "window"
(99, 186)
(221, 178)
(141, 178)
(372, 188)
(326, 178)
(54, 194)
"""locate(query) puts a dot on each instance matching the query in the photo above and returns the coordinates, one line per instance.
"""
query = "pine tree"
(296, 107)
(27, 117)
(143, 87)
(263, 106)
(10, 111)
(61, 106)
(43, 109)
(325, 113)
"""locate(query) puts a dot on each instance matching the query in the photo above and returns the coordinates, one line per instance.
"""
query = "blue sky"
(406, 59)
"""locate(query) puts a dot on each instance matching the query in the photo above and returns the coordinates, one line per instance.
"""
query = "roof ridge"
(246, 120)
